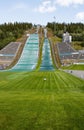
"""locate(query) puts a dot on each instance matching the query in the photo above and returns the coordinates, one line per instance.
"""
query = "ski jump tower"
(45, 33)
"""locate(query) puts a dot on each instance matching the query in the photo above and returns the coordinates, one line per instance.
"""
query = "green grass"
(74, 67)
(28, 102)
(77, 45)
(40, 54)
(55, 39)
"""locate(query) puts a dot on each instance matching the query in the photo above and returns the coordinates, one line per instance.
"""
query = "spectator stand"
(8, 53)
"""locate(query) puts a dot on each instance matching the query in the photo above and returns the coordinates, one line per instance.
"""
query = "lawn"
(74, 67)
(28, 102)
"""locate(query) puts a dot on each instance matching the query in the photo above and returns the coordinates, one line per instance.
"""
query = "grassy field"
(74, 67)
(28, 102)
(77, 45)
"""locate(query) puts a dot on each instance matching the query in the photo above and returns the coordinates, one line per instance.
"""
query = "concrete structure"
(8, 53)
(68, 55)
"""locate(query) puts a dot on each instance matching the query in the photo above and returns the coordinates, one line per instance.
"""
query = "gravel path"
(77, 73)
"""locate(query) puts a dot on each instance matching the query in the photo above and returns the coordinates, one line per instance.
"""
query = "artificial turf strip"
(28, 102)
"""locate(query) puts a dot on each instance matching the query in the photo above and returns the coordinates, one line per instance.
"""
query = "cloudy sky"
(41, 11)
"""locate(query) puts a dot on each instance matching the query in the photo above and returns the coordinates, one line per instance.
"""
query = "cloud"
(46, 2)
(69, 2)
(80, 16)
(49, 6)
(63, 2)
(46, 7)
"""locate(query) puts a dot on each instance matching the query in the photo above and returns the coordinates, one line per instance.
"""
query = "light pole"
(64, 27)
(54, 24)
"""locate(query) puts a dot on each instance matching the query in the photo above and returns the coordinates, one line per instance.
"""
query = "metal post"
(64, 28)
(54, 24)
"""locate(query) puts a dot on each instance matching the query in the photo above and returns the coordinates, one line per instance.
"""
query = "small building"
(67, 37)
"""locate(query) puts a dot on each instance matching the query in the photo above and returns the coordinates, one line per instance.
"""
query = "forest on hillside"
(12, 31)
(75, 29)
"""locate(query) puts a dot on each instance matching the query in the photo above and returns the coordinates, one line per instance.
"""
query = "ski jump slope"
(47, 63)
(29, 57)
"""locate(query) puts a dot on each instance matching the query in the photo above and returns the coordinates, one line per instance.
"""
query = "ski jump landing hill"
(29, 57)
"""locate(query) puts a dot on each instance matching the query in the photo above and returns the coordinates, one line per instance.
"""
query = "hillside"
(28, 102)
